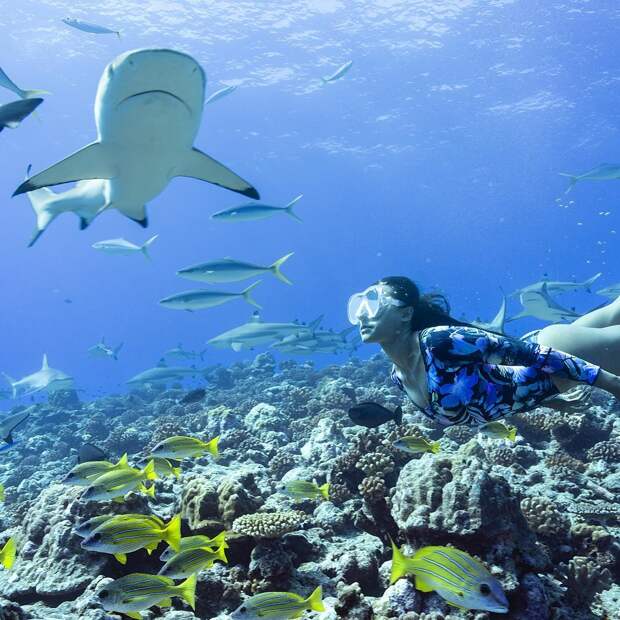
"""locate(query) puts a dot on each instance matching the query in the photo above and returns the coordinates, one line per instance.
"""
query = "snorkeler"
(456, 373)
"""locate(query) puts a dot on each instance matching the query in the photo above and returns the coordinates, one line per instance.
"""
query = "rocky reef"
(542, 513)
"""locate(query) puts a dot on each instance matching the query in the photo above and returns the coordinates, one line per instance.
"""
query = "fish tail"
(248, 297)
(33, 94)
(212, 447)
(172, 532)
(149, 471)
(8, 552)
(122, 462)
(220, 539)
(315, 600)
(398, 415)
(512, 435)
(146, 245)
(435, 447)
(289, 208)
(324, 81)
(276, 269)
(177, 472)
(117, 350)
(150, 491)
(572, 180)
(221, 554)
(324, 490)
(399, 564)
(187, 591)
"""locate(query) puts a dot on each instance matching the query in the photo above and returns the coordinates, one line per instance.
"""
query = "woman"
(458, 374)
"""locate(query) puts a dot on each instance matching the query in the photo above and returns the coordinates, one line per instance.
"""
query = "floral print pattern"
(475, 377)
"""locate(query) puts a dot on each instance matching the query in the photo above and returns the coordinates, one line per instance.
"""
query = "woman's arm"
(609, 382)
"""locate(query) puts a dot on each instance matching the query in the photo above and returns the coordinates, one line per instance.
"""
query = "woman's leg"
(598, 345)
(602, 317)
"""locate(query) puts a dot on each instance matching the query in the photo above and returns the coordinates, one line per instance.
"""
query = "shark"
(555, 287)
(612, 291)
(85, 200)
(8, 424)
(12, 114)
(541, 305)
(602, 172)
(163, 374)
(46, 378)
(101, 349)
(148, 110)
(256, 332)
(497, 324)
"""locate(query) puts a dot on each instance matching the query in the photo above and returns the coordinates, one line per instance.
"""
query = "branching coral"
(584, 578)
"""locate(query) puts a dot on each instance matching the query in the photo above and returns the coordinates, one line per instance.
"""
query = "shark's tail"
(590, 281)
(146, 245)
(42, 204)
(572, 180)
(116, 351)
(33, 94)
(12, 383)
(276, 268)
(324, 81)
(248, 297)
(289, 208)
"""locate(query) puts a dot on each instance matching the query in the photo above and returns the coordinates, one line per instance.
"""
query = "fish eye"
(484, 588)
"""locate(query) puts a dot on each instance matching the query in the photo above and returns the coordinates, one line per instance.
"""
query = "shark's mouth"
(161, 92)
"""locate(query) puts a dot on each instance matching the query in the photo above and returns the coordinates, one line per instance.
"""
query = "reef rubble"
(542, 513)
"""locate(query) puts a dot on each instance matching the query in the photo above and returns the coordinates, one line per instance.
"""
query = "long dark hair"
(429, 309)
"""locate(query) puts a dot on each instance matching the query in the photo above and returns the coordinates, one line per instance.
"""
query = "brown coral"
(543, 517)
(375, 464)
(584, 578)
(269, 524)
(373, 489)
(608, 451)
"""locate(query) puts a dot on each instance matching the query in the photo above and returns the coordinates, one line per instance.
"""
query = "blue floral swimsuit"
(475, 377)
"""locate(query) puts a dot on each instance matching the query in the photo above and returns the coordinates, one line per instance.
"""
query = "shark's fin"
(91, 162)
(199, 165)
(84, 223)
(36, 233)
(143, 221)
(45, 365)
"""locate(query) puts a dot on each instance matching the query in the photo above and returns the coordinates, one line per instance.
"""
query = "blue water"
(436, 157)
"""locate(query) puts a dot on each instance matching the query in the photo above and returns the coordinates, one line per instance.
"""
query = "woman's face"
(389, 321)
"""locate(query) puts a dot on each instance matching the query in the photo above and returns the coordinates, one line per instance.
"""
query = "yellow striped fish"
(86, 528)
(278, 606)
(83, 474)
(192, 561)
(302, 489)
(118, 482)
(180, 447)
(499, 430)
(195, 542)
(457, 577)
(7, 553)
(121, 535)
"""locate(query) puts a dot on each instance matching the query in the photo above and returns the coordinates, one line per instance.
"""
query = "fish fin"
(435, 447)
(123, 461)
(146, 245)
(398, 415)
(136, 615)
(324, 489)
(167, 602)
(143, 221)
(150, 491)
(399, 563)
(220, 539)
(44, 365)
(172, 532)
(512, 435)
(572, 180)
(149, 471)
(236, 346)
(212, 447)
(289, 208)
(422, 585)
(187, 591)
(248, 297)
(121, 557)
(8, 552)
(315, 600)
(199, 165)
(176, 471)
(275, 267)
(119, 500)
(91, 162)
(221, 554)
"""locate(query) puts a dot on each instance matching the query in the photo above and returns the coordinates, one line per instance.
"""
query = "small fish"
(117, 483)
(255, 211)
(371, 415)
(603, 172)
(7, 82)
(89, 453)
(186, 563)
(7, 553)
(193, 396)
(336, 75)
(180, 447)
(86, 528)
(124, 534)
(163, 467)
(302, 489)
(416, 445)
(278, 606)
(84, 473)
(78, 24)
(199, 299)
(457, 577)
(230, 270)
(196, 542)
(138, 591)
(499, 430)
(122, 246)
(12, 114)
(218, 94)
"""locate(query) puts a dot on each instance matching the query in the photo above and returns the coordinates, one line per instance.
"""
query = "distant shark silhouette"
(541, 305)
(47, 378)
(148, 110)
(497, 324)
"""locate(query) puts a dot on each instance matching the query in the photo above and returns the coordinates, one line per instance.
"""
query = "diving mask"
(369, 302)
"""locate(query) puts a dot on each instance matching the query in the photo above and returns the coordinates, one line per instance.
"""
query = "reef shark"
(540, 305)
(12, 114)
(555, 287)
(256, 332)
(8, 424)
(497, 324)
(163, 374)
(101, 349)
(47, 378)
(603, 172)
(612, 291)
(148, 109)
